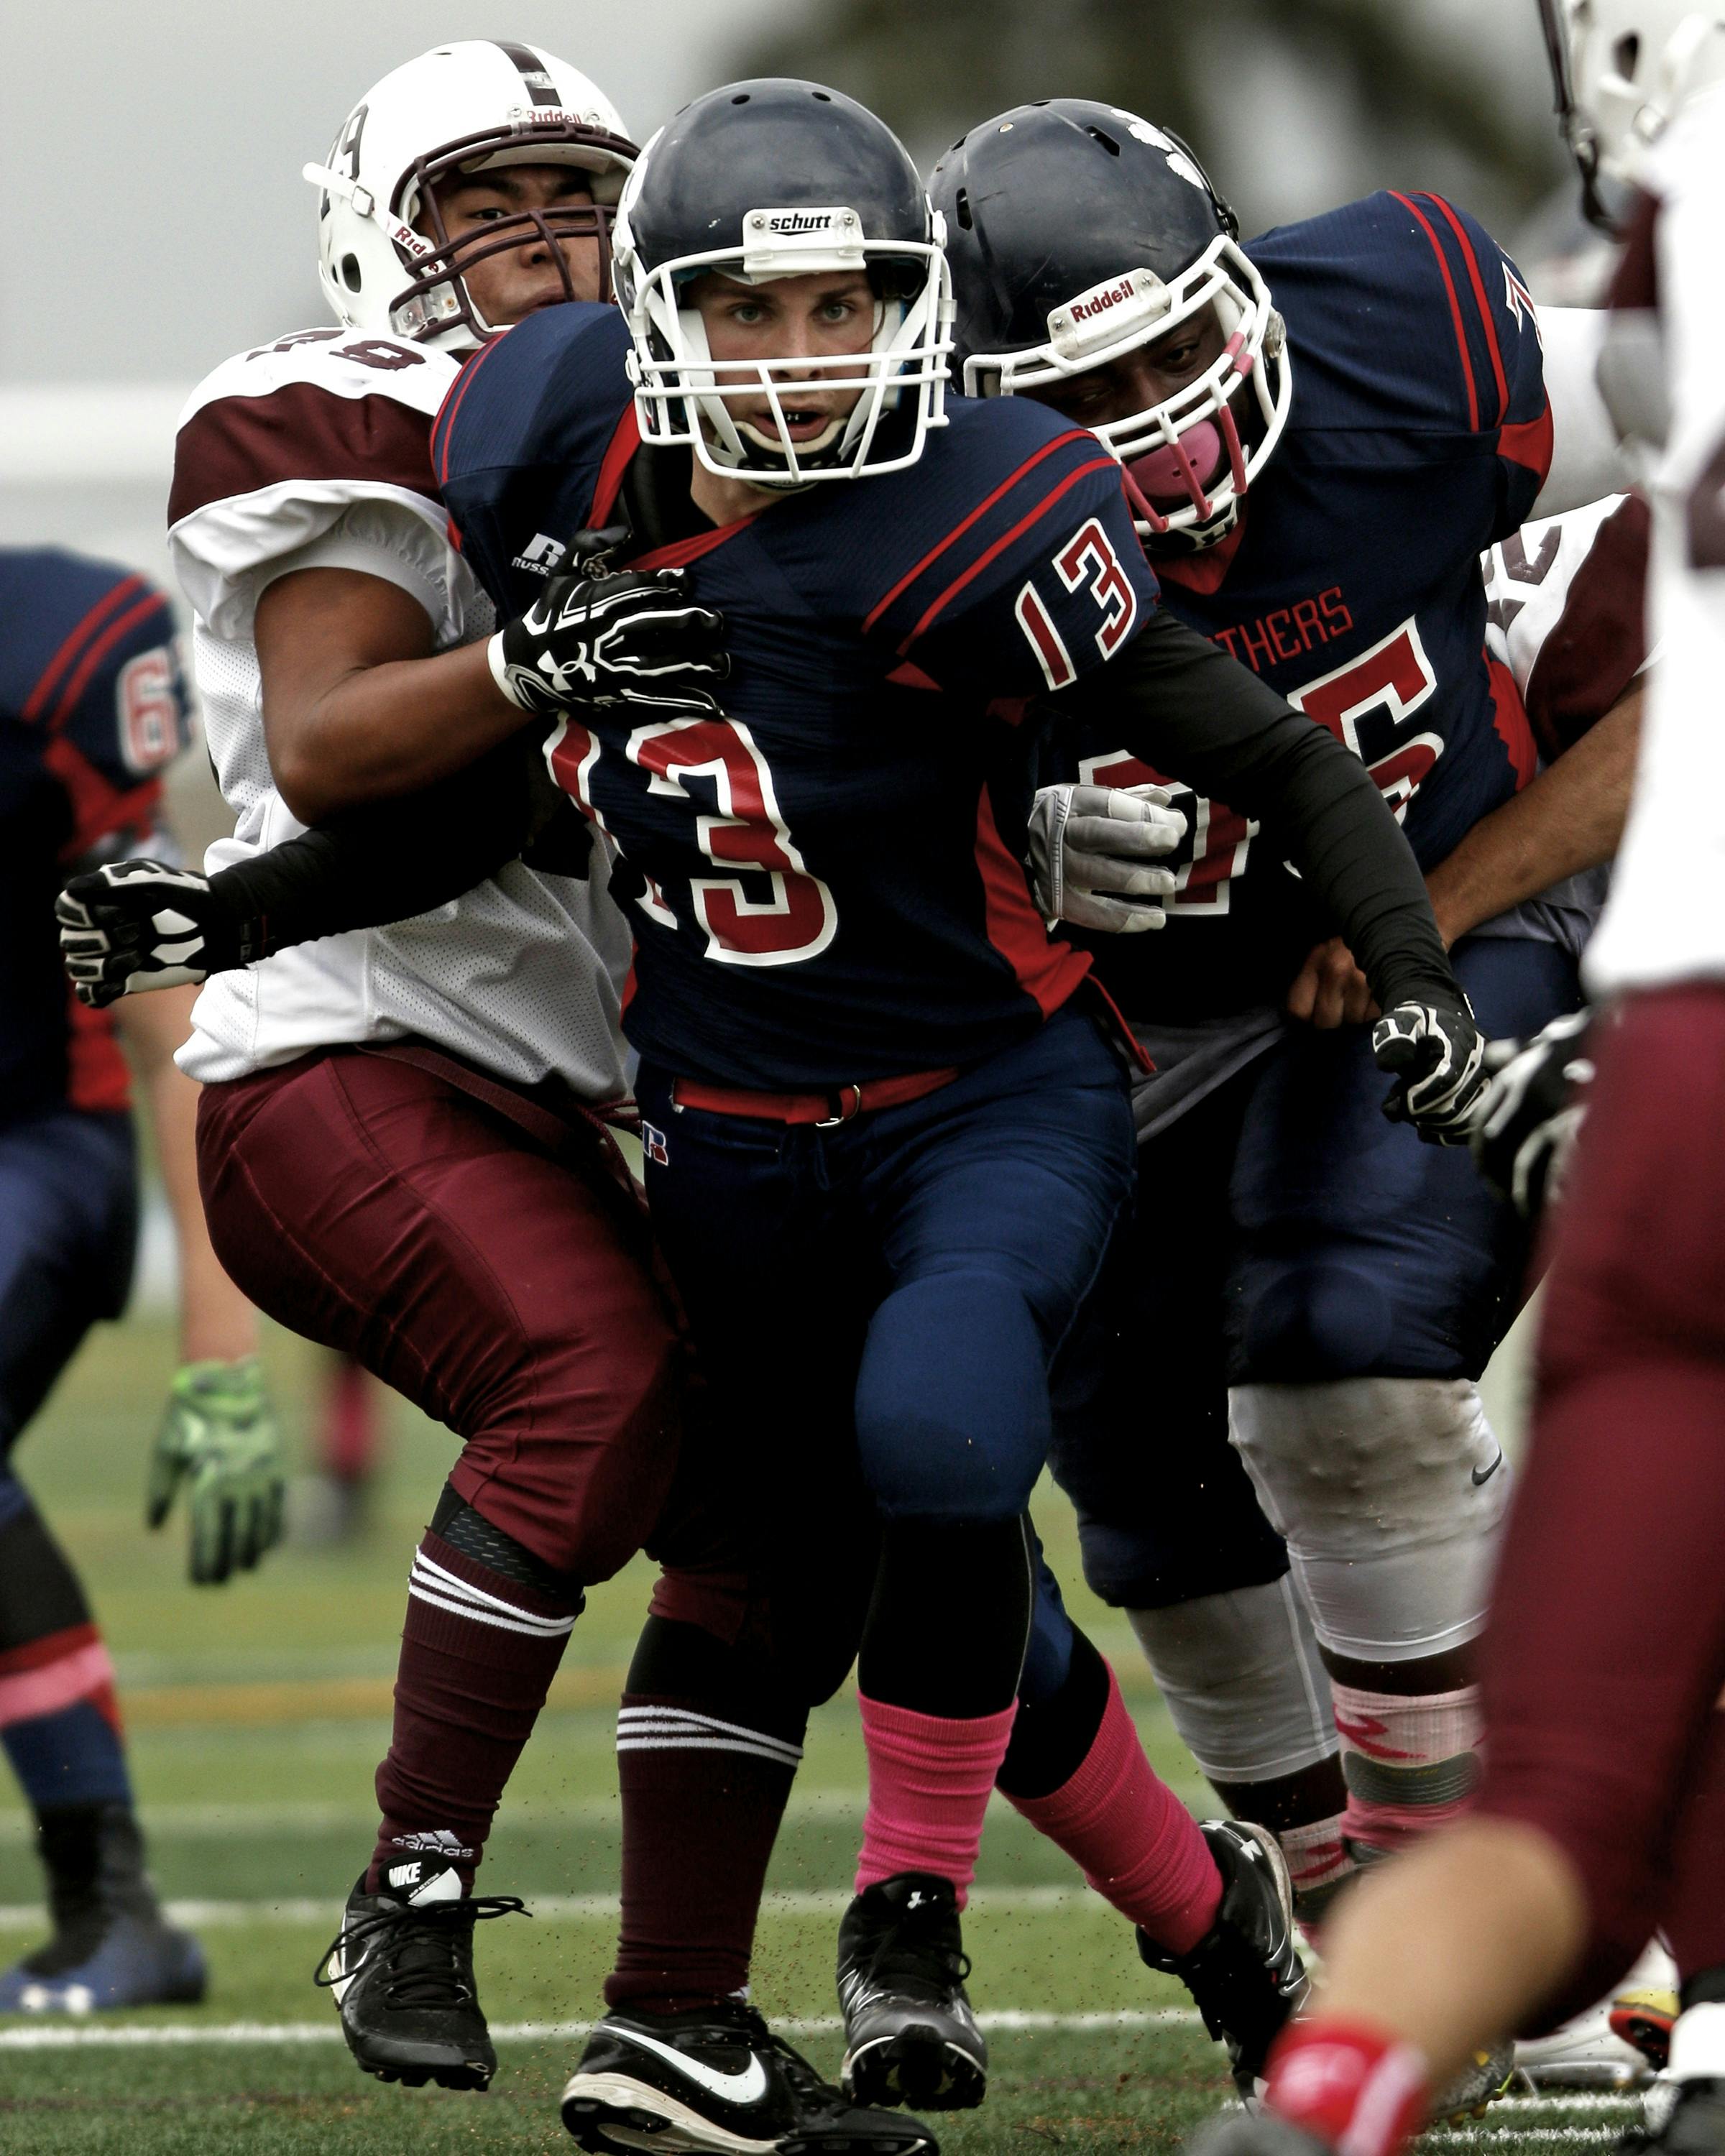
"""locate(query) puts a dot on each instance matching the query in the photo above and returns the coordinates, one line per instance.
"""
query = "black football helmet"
(782, 178)
(1077, 232)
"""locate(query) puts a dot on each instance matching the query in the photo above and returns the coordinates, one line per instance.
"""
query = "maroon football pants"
(1604, 1659)
(373, 1206)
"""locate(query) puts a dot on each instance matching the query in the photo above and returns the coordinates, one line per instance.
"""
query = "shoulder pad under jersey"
(1007, 562)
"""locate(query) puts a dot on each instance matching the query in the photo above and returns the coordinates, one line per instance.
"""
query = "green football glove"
(219, 1431)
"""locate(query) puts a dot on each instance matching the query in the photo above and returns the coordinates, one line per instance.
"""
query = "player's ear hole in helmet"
(389, 260)
(788, 190)
(1095, 266)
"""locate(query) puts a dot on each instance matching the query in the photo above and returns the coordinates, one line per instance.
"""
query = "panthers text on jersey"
(1666, 921)
(1420, 434)
(92, 705)
(313, 452)
(830, 885)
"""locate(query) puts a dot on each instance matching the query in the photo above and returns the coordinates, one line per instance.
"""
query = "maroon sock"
(1694, 1921)
(478, 1653)
(702, 1799)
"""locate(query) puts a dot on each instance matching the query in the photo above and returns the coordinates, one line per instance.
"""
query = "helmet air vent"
(350, 272)
(1100, 134)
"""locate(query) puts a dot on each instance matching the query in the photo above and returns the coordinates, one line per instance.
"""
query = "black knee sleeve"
(39, 1592)
(470, 1532)
(1051, 1739)
(946, 1629)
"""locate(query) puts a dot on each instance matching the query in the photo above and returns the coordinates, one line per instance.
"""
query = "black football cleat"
(1244, 1974)
(719, 2080)
(401, 1969)
(910, 2036)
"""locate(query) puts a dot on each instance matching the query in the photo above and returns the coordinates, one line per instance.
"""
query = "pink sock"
(1135, 1842)
(929, 1781)
(1410, 1763)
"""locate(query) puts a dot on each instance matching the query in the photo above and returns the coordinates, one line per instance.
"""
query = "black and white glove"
(1091, 850)
(1436, 1054)
(589, 642)
(131, 926)
(1527, 1119)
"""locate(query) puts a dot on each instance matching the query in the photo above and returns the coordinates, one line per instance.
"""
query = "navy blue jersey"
(92, 704)
(1420, 434)
(831, 886)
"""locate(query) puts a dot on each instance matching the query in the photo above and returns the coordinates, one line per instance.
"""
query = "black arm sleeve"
(391, 859)
(1181, 703)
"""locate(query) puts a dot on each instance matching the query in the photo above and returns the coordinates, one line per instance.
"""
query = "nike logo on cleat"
(1479, 1478)
(748, 2087)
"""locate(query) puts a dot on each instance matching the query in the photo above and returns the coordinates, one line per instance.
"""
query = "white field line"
(815, 1902)
(75, 2035)
(227, 1822)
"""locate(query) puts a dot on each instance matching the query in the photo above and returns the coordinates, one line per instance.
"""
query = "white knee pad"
(1390, 1493)
(1243, 1681)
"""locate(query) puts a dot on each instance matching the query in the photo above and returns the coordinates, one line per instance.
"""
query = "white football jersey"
(315, 453)
(1666, 921)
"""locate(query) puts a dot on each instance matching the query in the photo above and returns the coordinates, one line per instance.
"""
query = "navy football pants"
(1284, 1232)
(68, 1234)
(907, 1277)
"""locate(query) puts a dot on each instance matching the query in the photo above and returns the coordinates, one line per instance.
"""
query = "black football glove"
(131, 926)
(595, 641)
(1436, 1054)
(1528, 1117)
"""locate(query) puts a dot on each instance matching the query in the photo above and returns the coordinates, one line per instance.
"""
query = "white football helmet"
(1623, 68)
(464, 107)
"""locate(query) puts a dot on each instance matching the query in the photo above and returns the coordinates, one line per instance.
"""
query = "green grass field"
(257, 1714)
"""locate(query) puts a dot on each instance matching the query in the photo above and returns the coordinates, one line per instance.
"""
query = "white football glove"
(131, 926)
(1528, 1117)
(1436, 1054)
(1090, 850)
(603, 640)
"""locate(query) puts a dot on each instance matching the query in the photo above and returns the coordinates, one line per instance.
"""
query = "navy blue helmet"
(766, 180)
(1078, 233)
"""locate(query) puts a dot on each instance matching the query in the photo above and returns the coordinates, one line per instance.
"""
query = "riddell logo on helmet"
(1098, 301)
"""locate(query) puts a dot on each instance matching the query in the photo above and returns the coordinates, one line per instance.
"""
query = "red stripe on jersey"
(98, 1076)
(237, 445)
(1529, 443)
(622, 447)
(1204, 571)
(97, 806)
(907, 674)
(1047, 970)
(445, 416)
(1000, 546)
(66, 703)
(1510, 717)
(958, 530)
(1598, 643)
(1473, 396)
(1481, 301)
(680, 551)
(68, 649)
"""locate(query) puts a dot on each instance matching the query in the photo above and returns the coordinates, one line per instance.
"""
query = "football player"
(1320, 433)
(92, 707)
(864, 1068)
(403, 1136)
(1603, 1800)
